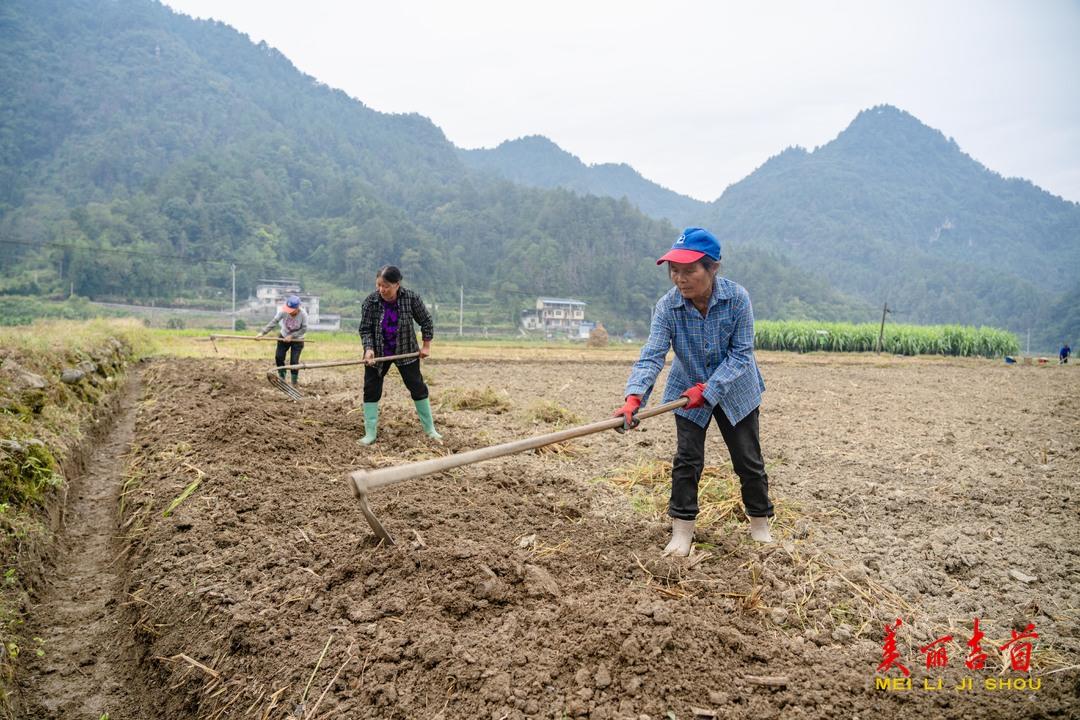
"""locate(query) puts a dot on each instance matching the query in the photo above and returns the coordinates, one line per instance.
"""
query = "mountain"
(143, 152)
(538, 162)
(780, 288)
(892, 210)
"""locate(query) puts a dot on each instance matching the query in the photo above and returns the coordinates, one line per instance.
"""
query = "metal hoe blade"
(376, 526)
(283, 386)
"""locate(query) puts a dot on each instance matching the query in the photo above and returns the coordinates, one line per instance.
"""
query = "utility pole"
(1028, 351)
(461, 313)
(881, 332)
(234, 297)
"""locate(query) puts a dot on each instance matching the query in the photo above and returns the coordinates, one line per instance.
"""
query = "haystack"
(598, 336)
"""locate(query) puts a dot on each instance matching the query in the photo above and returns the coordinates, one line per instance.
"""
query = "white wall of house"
(271, 295)
(560, 314)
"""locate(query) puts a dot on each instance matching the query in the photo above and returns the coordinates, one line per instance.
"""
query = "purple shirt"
(389, 326)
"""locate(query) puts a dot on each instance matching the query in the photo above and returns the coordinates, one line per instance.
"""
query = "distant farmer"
(708, 322)
(1064, 353)
(386, 328)
(293, 320)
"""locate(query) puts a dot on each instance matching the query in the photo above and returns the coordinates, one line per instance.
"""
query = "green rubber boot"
(371, 422)
(423, 409)
(281, 374)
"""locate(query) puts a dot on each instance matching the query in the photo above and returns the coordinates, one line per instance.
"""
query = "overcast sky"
(696, 95)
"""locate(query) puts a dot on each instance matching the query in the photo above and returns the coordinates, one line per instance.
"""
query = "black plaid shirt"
(410, 309)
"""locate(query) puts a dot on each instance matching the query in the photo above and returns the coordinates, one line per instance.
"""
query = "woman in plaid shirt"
(386, 328)
(707, 320)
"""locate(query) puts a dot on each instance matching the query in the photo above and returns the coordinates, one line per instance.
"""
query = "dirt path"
(81, 673)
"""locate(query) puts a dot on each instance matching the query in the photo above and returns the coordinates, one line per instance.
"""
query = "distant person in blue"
(294, 325)
(1064, 353)
(708, 321)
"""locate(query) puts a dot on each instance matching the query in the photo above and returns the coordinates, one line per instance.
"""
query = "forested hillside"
(143, 152)
(894, 210)
(537, 162)
(127, 126)
(891, 210)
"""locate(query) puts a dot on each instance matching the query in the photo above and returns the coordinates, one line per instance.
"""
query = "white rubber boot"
(682, 538)
(759, 529)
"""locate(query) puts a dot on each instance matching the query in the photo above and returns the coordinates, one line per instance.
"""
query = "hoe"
(295, 394)
(214, 338)
(364, 481)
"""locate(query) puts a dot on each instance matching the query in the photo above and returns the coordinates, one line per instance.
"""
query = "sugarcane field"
(215, 562)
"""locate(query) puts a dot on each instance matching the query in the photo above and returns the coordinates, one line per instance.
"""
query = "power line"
(118, 251)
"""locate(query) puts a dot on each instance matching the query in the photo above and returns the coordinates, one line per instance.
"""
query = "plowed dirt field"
(927, 490)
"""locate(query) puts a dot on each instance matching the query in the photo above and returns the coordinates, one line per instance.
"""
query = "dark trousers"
(410, 373)
(294, 349)
(744, 446)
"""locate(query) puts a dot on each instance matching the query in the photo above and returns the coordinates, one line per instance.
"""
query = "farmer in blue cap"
(708, 322)
(293, 320)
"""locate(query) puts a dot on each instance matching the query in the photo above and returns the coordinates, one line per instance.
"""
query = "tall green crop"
(808, 336)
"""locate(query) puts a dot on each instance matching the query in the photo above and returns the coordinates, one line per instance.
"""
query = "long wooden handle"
(337, 363)
(252, 337)
(365, 480)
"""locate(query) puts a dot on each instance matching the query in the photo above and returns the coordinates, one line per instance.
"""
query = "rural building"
(270, 295)
(559, 315)
(584, 329)
(530, 319)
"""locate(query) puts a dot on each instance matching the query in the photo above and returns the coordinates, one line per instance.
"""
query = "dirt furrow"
(77, 671)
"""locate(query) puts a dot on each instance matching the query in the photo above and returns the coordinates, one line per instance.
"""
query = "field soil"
(247, 583)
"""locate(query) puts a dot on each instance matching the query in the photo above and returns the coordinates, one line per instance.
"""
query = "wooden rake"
(364, 481)
(215, 337)
(294, 393)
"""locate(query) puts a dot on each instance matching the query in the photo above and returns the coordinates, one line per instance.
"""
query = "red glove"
(628, 412)
(696, 395)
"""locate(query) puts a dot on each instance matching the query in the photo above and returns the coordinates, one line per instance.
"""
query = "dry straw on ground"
(547, 411)
(787, 581)
(488, 399)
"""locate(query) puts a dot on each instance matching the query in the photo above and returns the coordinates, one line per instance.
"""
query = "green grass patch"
(28, 470)
(44, 339)
(28, 309)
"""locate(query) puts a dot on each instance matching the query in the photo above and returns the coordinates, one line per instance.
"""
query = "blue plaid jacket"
(717, 350)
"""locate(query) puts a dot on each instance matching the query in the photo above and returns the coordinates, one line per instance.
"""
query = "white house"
(560, 315)
(530, 319)
(271, 294)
